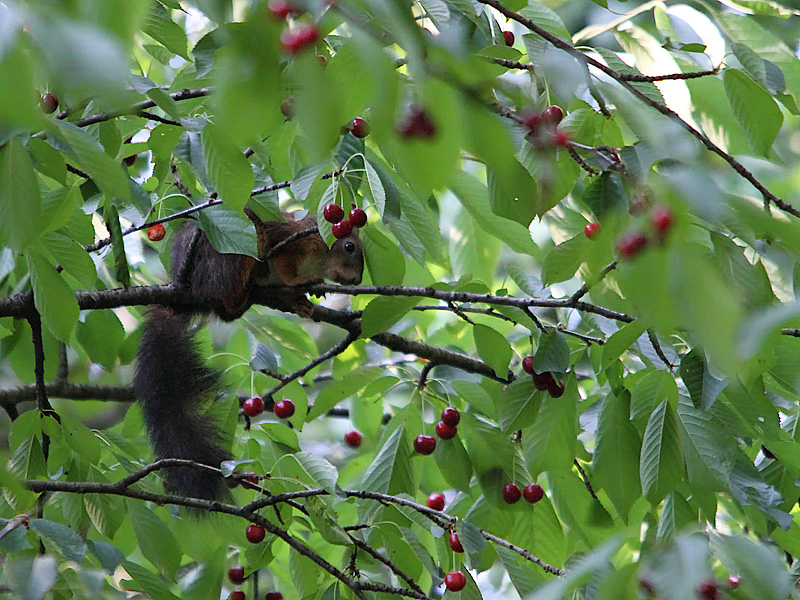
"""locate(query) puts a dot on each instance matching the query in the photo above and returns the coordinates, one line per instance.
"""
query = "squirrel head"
(344, 262)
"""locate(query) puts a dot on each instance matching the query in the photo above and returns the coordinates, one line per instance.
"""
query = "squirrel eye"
(349, 246)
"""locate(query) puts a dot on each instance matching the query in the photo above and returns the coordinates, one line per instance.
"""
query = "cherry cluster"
(630, 244)
(542, 127)
(532, 493)
(446, 429)
(342, 227)
(254, 406)
(236, 576)
(543, 381)
(299, 36)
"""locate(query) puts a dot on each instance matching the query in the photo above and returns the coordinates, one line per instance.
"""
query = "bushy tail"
(171, 381)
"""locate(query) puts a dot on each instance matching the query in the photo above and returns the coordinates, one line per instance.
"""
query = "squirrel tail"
(171, 380)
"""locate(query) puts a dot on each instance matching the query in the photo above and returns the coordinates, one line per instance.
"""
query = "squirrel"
(171, 378)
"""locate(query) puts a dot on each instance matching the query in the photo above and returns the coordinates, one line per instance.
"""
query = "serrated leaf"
(339, 390)
(321, 472)
(162, 28)
(616, 457)
(702, 385)
(552, 354)
(230, 232)
(661, 463)
(563, 261)
(621, 341)
(606, 194)
(68, 542)
(518, 406)
(227, 168)
(708, 458)
(493, 348)
(550, 444)
(156, 540)
(454, 463)
(375, 187)
(378, 475)
(121, 270)
(384, 312)
(546, 19)
(383, 259)
(54, 299)
(154, 586)
(106, 172)
(20, 200)
(754, 108)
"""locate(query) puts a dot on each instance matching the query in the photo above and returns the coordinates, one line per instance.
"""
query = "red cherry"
(333, 213)
(533, 493)
(49, 103)
(237, 595)
(436, 501)
(630, 244)
(253, 406)
(531, 121)
(417, 124)
(455, 543)
(661, 218)
(560, 139)
(298, 39)
(444, 431)
(281, 9)
(455, 581)
(284, 409)
(708, 590)
(511, 493)
(734, 581)
(541, 381)
(360, 127)
(556, 388)
(273, 596)
(357, 217)
(552, 114)
(156, 233)
(287, 107)
(450, 416)
(424, 444)
(342, 229)
(527, 365)
(591, 230)
(255, 533)
(236, 574)
(250, 478)
(508, 38)
(352, 439)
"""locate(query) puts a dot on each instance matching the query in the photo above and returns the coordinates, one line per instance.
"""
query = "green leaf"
(661, 466)
(384, 468)
(121, 269)
(709, 459)
(550, 444)
(321, 472)
(493, 348)
(227, 168)
(101, 336)
(606, 194)
(67, 541)
(562, 261)
(20, 201)
(616, 457)
(160, 27)
(474, 198)
(342, 389)
(53, 298)
(762, 570)
(518, 406)
(230, 232)
(546, 19)
(384, 261)
(755, 109)
(702, 385)
(376, 187)
(621, 341)
(454, 464)
(156, 540)
(649, 391)
(552, 355)
(106, 172)
(154, 586)
(384, 312)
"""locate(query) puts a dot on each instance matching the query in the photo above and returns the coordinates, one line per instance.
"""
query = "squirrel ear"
(253, 217)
